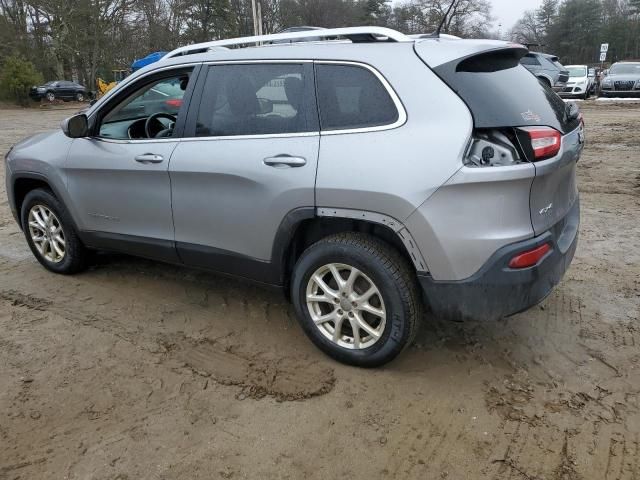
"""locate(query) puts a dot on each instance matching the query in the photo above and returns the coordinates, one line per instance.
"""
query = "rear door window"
(256, 99)
(352, 97)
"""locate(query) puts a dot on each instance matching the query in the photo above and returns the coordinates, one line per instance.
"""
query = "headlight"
(607, 81)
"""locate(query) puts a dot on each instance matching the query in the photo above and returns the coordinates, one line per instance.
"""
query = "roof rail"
(355, 34)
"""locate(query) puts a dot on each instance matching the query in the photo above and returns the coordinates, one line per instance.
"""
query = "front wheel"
(50, 233)
(50, 97)
(356, 298)
(79, 97)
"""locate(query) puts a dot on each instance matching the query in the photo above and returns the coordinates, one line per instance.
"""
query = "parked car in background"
(623, 80)
(580, 82)
(547, 68)
(59, 89)
(321, 169)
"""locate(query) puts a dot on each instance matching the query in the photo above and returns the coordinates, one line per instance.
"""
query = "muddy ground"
(136, 370)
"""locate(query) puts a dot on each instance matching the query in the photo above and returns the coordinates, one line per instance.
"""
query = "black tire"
(391, 274)
(79, 97)
(75, 256)
(50, 96)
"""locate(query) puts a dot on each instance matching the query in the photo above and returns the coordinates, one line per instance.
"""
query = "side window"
(160, 99)
(529, 60)
(352, 97)
(253, 99)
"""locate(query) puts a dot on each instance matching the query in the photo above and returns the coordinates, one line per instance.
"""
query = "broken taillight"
(545, 141)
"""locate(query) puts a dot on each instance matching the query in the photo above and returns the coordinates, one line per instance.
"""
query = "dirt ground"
(137, 370)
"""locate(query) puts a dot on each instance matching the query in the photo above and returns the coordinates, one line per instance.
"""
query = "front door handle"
(149, 158)
(284, 161)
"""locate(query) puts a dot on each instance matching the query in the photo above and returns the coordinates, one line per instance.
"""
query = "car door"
(65, 89)
(251, 161)
(118, 177)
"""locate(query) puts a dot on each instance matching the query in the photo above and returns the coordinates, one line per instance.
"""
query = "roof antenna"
(444, 19)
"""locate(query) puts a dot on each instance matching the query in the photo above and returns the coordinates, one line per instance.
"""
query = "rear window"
(351, 97)
(529, 60)
(502, 93)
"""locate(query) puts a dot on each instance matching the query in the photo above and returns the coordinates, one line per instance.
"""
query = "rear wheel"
(50, 233)
(79, 97)
(356, 298)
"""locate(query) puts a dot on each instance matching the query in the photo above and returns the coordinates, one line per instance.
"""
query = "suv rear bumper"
(497, 291)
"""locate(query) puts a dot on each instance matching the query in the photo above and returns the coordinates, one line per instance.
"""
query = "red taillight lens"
(530, 257)
(545, 141)
(175, 102)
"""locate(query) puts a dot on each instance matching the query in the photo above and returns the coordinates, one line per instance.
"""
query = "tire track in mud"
(258, 375)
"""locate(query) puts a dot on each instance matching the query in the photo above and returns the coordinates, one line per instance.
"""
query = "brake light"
(545, 141)
(174, 102)
(530, 257)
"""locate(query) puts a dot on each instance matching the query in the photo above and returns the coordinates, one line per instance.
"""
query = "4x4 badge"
(546, 209)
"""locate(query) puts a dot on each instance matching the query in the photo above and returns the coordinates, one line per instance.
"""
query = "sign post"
(604, 48)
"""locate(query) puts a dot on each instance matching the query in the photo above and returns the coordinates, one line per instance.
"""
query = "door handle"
(149, 158)
(284, 161)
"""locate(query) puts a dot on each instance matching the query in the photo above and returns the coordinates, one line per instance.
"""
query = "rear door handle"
(284, 161)
(149, 158)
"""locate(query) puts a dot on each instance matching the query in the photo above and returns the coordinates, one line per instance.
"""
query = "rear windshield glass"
(502, 93)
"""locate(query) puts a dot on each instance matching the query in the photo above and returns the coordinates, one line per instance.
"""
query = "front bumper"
(573, 91)
(619, 93)
(497, 291)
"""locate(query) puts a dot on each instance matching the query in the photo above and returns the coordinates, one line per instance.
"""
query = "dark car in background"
(59, 89)
(623, 80)
(547, 68)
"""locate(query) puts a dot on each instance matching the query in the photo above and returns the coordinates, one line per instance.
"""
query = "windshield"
(626, 68)
(50, 83)
(577, 71)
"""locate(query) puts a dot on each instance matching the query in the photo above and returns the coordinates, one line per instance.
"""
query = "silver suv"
(547, 68)
(367, 176)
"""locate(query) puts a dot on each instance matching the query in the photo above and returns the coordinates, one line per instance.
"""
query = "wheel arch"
(25, 182)
(303, 227)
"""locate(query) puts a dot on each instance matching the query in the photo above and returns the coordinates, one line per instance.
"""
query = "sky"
(508, 12)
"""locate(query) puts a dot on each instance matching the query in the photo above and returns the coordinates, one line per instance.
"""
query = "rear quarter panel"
(394, 171)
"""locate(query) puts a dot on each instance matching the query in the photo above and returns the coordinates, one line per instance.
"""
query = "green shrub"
(16, 78)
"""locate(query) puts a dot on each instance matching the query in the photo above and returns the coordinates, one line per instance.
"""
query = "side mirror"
(266, 106)
(76, 126)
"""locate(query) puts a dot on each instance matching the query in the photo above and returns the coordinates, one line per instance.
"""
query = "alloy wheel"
(346, 306)
(46, 233)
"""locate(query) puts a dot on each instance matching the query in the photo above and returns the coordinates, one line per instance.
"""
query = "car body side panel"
(43, 156)
(392, 172)
(226, 198)
(114, 193)
(475, 213)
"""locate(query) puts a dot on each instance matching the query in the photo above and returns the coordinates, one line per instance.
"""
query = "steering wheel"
(155, 119)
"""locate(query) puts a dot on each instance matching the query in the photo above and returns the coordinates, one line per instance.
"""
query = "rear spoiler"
(436, 52)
